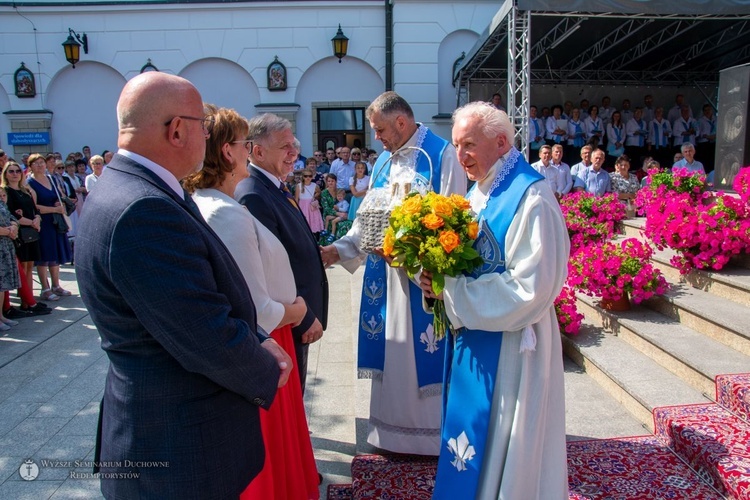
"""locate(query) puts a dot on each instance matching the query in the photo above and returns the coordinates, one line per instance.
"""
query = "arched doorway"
(332, 99)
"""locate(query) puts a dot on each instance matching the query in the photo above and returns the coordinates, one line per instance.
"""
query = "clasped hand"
(425, 283)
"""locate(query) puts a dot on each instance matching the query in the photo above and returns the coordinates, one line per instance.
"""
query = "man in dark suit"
(188, 369)
(273, 155)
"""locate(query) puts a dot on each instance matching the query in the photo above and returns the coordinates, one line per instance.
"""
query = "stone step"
(632, 228)
(695, 358)
(591, 412)
(635, 380)
(721, 319)
(732, 282)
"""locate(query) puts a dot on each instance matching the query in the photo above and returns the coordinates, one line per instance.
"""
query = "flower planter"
(621, 304)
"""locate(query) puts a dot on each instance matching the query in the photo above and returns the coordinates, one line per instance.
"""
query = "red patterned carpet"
(407, 477)
(713, 441)
(733, 393)
(635, 468)
(698, 452)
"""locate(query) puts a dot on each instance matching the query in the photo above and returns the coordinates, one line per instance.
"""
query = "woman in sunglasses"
(21, 205)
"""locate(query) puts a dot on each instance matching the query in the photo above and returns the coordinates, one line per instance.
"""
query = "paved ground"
(52, 374)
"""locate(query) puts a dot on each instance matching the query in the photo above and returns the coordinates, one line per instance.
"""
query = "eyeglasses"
(318, 154)
(13, 171)
(207, 122)
(59, 168)
(307, 176)
(247, 143)
(356, 154)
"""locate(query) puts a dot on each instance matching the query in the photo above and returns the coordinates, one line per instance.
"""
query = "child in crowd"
(342, 211)
(358, 185)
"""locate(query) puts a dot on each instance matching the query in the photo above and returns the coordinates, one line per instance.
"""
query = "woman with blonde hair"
(289, 471)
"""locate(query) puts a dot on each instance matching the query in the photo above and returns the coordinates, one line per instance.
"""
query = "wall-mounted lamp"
(149, 66)
(73, 47)
(340, 44)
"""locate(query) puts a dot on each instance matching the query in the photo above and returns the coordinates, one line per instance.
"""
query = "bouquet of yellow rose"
(435, 233)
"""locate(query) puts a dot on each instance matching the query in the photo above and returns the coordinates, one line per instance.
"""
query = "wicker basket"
(373, 224)
(374, 212)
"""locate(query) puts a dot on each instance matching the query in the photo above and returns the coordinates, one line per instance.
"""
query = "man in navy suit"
(188, 369)
(273, 155)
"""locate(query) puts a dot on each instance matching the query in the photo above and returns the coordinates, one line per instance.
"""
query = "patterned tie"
(288, 194)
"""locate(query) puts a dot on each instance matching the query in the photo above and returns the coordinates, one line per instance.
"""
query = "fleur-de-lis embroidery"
(373, 290)
(462, 450)
(373, 327)
(372, 260)
(428, 339)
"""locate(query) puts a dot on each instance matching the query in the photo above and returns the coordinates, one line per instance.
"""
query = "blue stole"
(372, 318)
(578, 141)
(659, 133)
(612, 149)
(535, 144)
(471, 365)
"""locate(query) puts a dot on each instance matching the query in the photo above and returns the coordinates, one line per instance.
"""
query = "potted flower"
(590, 218)
(706, 229)
(614, 270)
(568, 317)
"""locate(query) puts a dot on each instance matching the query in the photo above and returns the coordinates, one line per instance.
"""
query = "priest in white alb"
(397, 348)
(503, 433)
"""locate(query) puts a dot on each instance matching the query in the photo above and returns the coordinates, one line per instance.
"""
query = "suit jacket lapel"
(280, 197)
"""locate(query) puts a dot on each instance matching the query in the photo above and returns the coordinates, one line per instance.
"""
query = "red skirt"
(289, 472)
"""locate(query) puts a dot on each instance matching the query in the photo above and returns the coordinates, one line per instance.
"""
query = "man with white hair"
(503, 433)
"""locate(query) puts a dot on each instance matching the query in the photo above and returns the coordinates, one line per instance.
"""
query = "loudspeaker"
(732, 138)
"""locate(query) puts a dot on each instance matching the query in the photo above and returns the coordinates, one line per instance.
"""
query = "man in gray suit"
(188, 369)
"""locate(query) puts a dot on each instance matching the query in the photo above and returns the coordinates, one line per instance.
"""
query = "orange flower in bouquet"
(435, 233)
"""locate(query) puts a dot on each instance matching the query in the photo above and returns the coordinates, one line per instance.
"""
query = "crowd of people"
(42, 197)
(649, 130)
(330, 188)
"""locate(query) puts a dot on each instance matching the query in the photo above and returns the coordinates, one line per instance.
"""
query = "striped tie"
(288, 194)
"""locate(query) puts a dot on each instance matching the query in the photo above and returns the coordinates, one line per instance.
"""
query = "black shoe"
(41, 305)
(14, 313)
(36, 310)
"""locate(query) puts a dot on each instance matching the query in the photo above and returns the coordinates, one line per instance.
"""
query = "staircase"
(672, 363)
(664, 361)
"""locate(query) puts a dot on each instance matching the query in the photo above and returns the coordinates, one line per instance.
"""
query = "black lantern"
(340, 44)
(149, 66)
(73, 47)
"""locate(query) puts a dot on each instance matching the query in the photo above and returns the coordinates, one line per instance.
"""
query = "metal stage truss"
(525, 46)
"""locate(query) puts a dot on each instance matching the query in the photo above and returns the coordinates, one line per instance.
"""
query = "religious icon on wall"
(276, 75)
(24, 80)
